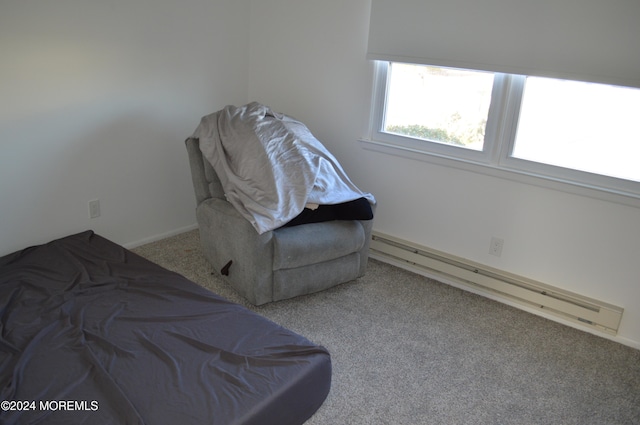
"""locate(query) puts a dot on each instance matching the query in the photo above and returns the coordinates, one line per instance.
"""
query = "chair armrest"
(227, 236)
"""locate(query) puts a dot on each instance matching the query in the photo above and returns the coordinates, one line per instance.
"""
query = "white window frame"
(496, 157)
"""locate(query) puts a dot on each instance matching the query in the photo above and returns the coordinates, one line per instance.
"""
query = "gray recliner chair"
(279, 264)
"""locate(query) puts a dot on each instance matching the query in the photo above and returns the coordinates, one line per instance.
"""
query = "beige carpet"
(409, 350)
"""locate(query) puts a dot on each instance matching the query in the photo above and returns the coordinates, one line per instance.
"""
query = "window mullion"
(495, 120)
(514, 90)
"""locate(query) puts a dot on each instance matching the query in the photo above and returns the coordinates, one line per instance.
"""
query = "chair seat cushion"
(316, 242)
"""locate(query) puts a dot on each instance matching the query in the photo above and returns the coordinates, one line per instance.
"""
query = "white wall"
(96, 99)
(308, 60)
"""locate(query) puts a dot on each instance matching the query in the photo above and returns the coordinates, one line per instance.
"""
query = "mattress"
(93, 333)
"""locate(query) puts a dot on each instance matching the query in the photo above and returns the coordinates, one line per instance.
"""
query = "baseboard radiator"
(552, 301)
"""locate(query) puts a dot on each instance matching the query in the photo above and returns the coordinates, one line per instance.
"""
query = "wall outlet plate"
(94, 208)
(495, 247)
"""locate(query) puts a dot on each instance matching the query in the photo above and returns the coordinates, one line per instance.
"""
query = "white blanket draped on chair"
(270, 165)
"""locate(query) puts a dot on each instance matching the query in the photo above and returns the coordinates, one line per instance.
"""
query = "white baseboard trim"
(421, 271)
(161, 236)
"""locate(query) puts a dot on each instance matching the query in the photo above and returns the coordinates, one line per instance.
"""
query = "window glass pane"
(438, 104)
(582, 126)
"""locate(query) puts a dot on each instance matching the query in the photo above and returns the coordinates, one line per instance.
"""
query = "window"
(587, 127)
(577, 133)
(439, 105)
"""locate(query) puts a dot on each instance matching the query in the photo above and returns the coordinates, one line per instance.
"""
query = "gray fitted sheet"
(129, 342)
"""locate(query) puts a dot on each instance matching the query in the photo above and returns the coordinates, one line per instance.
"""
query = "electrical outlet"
(495, 248)
(94, 208)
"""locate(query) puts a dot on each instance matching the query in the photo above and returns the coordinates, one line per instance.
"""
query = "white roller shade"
(589, 40)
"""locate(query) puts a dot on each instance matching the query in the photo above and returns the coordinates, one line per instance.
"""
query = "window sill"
(604, 194)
